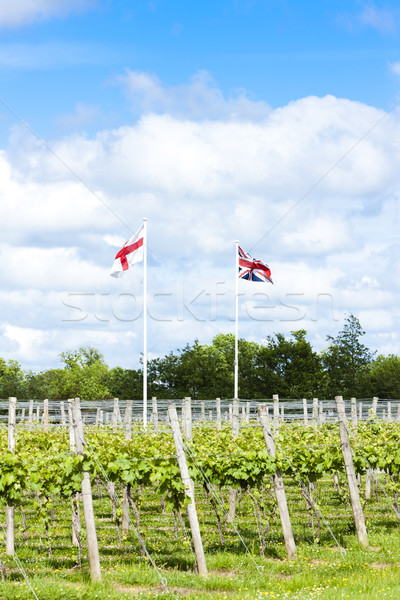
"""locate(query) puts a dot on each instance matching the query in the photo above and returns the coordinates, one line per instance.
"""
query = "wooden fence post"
(278, 486)
(115, 415)
(75, 517)
(46, 414)
(62, 413)
(87, 500)
(374, 406)
(315, 412)
(10, 533)
(275, 399)
(351, 476)
(305, 412)
(189, 491)
(218, 403)
(354, 413)
(154, 412)
(125, 496)
(187, 422)
(128, 420)
(30, 415)
(235, 433)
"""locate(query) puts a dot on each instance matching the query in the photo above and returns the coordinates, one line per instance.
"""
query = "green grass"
(320, 571)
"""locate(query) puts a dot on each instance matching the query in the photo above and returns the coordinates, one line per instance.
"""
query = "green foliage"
(289, 367)
(284, 365)
(346, 359)
(12, 379)
(382, 379)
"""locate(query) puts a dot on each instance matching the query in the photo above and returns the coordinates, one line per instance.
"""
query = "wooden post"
(203, 411)
(46, 414)
(305, 412)
(389, 411)
(235, 434)
(154, 412)
(278, 486)
(374, 406)
(351, 476)
(125, 496)
(30, 417)
(360, 411)
(88, 512)
(72, 446)
(63, 421)
(10, 533)
(189, 491)
(218, 403)
(187, 425)
(354, 413)
(248, 410)
(128, 420)
(315, 412)
(115, 415)
(321, 413)
(275, 398)
(38, 413)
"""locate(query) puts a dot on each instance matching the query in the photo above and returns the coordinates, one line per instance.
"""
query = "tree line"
(287, 366)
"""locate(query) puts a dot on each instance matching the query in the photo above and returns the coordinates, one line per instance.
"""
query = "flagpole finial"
(145, 219)
(237, 241)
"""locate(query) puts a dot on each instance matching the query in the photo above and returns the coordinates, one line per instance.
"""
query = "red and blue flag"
(252, 269)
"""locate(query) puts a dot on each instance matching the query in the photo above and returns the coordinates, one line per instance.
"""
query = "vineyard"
(141, 500)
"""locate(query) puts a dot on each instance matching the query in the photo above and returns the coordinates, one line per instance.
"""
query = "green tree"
(12, 379)
(125, 384)
(383, 377)
(289, 367)
(345, 360)
(45, 384)
(85, 374)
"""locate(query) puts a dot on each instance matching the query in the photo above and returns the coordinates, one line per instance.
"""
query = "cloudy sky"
(274, 122)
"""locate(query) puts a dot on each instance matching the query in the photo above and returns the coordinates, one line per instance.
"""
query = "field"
(330, 563)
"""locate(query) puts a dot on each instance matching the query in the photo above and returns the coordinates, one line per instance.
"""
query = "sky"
(271, 122)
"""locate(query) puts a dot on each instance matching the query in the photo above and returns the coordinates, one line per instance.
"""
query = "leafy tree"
(85, 374)
(46, 384)
(346, 359)
(289, 367)
(125, 384)
(12, 379)
(383, 377)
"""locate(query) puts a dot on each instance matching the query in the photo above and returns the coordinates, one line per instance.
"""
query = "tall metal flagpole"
(145, 322)
(236, 391)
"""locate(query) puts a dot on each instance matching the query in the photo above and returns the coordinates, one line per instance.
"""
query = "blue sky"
(275, 123)
(276, 51)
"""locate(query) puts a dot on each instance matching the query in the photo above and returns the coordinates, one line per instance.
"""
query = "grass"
(321, 571)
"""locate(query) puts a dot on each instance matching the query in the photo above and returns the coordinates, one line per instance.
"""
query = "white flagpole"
(236, 391)
(145, 322)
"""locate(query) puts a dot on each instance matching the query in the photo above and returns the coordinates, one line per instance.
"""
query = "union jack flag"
(252, 269)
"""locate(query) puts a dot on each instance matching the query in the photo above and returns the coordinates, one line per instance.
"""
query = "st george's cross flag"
(132, 252)
(252, 269)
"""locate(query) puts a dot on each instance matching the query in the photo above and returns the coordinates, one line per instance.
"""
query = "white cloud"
(21, 12)
(200, 99)
(385, 20)
(395, 68)
(312, 188)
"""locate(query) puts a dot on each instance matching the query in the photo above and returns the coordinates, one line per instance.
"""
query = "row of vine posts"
(77, 445)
